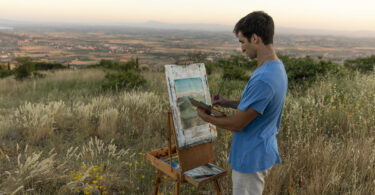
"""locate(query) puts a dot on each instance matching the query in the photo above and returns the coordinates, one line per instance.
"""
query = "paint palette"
(208, 108)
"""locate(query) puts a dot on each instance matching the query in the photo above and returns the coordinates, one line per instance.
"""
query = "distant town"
(155, 48)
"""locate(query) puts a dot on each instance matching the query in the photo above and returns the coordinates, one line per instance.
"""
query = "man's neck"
(265, 54)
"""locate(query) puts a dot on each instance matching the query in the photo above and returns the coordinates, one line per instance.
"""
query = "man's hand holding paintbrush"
(219, 100)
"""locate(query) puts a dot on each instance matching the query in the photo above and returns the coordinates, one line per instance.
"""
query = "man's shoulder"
(273, 74)
(273, 70)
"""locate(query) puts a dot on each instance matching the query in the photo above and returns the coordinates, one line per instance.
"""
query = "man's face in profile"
(246, 46)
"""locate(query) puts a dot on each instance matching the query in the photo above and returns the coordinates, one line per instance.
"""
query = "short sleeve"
(256, 96)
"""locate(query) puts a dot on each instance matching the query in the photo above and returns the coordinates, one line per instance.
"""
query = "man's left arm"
(233, 123)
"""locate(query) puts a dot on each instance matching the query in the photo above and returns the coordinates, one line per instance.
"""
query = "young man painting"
(257, 119)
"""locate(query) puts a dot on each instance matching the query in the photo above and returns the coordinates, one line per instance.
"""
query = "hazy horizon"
(6, 24)
(327, 15)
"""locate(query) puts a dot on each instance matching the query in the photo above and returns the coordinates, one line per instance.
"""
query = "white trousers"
(248, 183)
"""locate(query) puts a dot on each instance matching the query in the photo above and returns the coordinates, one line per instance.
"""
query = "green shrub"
(123, 80)
(242, 61)
(235, 73)
(306, 70)
(25, 68)
(210, 67)
(5, 73)
(234, 67)
(48, 66)
(119, 66)
(361, 64)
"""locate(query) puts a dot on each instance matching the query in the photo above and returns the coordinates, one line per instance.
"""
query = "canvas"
(184, 82)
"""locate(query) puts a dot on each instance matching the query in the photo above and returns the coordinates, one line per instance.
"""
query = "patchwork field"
(155, 48)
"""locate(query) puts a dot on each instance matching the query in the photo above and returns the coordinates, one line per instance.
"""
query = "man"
(257, 119)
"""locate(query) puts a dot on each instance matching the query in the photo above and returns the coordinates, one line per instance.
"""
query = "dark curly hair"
(259, 23)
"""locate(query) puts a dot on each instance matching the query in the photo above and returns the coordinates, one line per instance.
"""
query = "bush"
(306, 70)
(5, 73)
(123, 79)
(210, 67)
(235, 73)
(119, 66)
(243, 61)
(361, 64)
(234, 67)
(25, 68)
(48, 66)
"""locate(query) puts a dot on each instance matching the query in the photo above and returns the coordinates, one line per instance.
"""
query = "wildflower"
(94, 182)
(143, 177)
(291, 190)
(123, 192)
(130, 164)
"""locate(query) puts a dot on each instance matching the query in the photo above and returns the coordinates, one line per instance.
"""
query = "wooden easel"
(188, 158)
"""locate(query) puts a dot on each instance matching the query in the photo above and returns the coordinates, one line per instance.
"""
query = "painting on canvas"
(186, 82)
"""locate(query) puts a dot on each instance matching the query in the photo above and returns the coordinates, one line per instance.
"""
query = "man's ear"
(255, 38)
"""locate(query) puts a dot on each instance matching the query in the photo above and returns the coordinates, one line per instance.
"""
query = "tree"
(24, 68)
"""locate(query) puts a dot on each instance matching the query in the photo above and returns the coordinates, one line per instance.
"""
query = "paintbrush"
(221, 87)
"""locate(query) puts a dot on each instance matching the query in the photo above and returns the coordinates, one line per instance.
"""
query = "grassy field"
(63, 135)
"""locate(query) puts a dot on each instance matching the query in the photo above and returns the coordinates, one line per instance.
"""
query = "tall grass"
(63, 135)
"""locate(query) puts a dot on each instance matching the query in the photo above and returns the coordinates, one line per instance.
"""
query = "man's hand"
(202, 113)
(223, 102)
(218, 100)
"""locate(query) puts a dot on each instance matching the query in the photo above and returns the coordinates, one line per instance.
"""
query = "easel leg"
(157, 181)
(217, 186)
(177, 188)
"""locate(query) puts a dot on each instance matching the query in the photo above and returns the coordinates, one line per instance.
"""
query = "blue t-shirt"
(255, 147)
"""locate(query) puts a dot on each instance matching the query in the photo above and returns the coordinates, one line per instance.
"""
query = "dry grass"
(96, 143)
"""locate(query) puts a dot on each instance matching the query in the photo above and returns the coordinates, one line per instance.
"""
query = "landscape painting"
(185, 88)
(186, 82)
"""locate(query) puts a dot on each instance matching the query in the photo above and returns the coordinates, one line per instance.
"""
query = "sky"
(357, 15)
